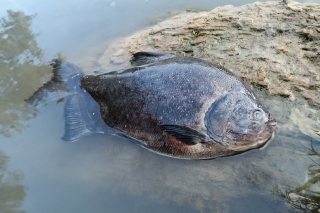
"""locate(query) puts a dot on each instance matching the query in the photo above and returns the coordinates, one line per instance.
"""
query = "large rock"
(271, 44)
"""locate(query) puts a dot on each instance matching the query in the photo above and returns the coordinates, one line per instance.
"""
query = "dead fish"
(181, 107)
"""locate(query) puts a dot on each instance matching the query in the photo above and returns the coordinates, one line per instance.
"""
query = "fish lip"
(271, 120)
(272, 123)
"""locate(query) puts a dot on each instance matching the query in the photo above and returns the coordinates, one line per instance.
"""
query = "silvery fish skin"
(181, 107)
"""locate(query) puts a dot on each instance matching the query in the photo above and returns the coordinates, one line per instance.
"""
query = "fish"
(176, 106)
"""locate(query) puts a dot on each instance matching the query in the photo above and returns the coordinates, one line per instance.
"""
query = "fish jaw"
(262, 139)
(242, 148)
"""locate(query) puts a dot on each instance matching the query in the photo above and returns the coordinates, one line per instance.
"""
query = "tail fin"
(64, 77)
(81, 112)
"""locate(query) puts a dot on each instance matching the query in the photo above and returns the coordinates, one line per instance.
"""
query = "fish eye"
(256, 115)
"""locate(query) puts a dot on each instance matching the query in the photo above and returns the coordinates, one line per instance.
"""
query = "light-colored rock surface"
(271, 44)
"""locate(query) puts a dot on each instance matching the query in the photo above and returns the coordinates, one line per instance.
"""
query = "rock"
(274, 45)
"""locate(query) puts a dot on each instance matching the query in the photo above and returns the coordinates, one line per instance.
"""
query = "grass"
(305, 198)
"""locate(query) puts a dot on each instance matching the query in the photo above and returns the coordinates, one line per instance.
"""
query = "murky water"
(103, 173)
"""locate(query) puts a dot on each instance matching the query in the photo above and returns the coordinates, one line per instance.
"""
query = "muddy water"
(103, 173)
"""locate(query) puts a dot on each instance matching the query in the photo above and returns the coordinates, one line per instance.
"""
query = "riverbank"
(275, 45)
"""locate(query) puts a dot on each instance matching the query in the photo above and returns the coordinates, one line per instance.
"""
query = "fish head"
(239, 121)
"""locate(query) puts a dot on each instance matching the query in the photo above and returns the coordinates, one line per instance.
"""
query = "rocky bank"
(275, 45)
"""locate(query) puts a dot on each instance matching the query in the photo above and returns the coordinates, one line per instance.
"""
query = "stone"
(274, 45)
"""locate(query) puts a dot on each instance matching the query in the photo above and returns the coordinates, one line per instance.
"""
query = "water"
(103, 173)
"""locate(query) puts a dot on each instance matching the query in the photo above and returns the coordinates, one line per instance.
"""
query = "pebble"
(282, 168)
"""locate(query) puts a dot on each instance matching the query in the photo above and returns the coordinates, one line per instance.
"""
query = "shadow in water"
(22, 71)
(12, 192)
(305, 198)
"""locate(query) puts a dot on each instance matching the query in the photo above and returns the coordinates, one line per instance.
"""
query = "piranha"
(181, 107)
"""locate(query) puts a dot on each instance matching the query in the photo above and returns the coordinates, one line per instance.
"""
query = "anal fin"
(133, 140)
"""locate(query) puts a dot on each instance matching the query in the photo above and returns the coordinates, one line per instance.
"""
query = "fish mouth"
(272, 124)
(261, 143)
(248, 147)
(266, 143)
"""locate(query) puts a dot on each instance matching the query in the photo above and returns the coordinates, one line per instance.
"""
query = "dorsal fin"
(143, 58)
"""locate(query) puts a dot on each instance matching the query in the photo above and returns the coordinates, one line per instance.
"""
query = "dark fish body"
(180, 107)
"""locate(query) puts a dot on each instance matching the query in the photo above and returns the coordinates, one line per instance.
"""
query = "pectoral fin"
(185, 134)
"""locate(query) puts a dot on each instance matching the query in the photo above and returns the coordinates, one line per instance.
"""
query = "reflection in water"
(305, 198)
(22, 71)
(12, 192)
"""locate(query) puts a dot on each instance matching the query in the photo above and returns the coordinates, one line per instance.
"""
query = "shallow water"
(103, 173)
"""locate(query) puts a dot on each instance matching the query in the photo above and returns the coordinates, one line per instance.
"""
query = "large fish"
(181, 107)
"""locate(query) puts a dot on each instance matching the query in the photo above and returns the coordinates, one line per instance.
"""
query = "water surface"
(103, 173)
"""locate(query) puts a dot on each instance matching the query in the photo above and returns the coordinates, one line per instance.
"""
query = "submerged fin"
(82, 117)
(143, 58)
(75, 125)
(185, 134)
